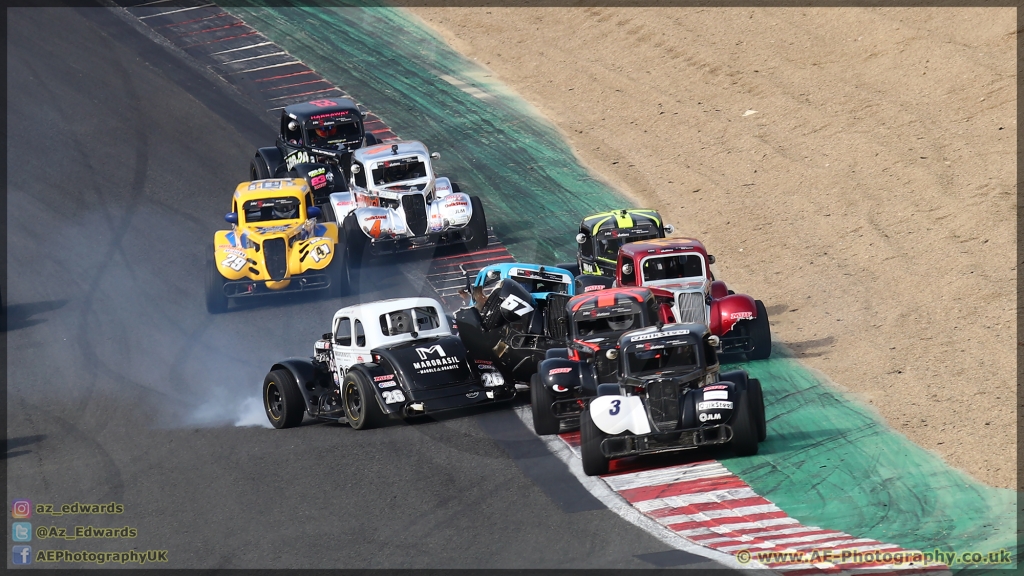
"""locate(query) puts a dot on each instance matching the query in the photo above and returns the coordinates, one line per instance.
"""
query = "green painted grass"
(828, 461)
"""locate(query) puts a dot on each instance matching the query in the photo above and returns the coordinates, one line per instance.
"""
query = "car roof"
(373, 309)
(624, 218)
(505, 268)
(383, 151)
(304, 110)
(662, 246)
(271, 188)
(608, 297)
(666, 330)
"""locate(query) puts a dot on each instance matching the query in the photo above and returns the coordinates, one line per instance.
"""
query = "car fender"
(560, 375)
(719, 290)
(378, 222)
(312, 382)
(456, 208)
(591, 282)
(313, 254)
(231, 254)
(726, 312)
(377, 375)
(710, 405)
(319, 177)
(615, 414)
(557, 353)
(272, 156)
(343, 204)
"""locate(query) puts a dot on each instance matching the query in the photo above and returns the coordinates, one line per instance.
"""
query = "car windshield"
(398, 170)
(409, 320)
(652, 359)
(535, 285)
(609, 247)
(271, 209)
(331, 134)
(585, 326)
(673, 266)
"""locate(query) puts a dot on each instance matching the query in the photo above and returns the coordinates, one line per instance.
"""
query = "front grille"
(692, 308)
(663, 399)
(415, 213)
(557, 318)
(275, 254)
(607, 370)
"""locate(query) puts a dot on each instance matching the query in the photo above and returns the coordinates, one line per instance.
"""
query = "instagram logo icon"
(21, 509)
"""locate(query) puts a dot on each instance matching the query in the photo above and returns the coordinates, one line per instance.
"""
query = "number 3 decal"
(615, 407)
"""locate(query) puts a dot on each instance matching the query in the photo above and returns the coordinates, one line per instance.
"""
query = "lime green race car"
(275, 245)
(602, 234)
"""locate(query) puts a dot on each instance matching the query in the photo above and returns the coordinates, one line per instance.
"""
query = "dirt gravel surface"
(854, 168)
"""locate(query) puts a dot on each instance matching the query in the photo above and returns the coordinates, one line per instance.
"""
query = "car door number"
(393, 396)
(233, 261)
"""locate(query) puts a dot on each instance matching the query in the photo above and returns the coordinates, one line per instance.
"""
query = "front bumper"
(661, 442)
(302, 283)
(387, 246)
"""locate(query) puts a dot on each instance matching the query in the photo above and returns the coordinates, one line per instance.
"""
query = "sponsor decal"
(271, 229)
(559, 388)
(716, 395)
(359, 359)
(654, 335)
(485, 362)
(424, 353)
(390, 384)
(437, 364)
(554, 371)
(393, 396)
(383, 378)
(372, 218)
(329, 114)
(716, 387)
(317, 172)
(705, 417)
(715, 405)
(472, 394)
(449, 204)
(593, 287)
(741, 315)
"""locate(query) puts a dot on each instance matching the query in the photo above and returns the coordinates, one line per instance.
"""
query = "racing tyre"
(744, 427)
(361, 406)
(477, 225)
(216, 300)
(258, 169)
(760, 334)
(354, 241)
(572, 267)
(757, 406)
(338, 272)
(544, 422)
(282, 400)
(594, 461)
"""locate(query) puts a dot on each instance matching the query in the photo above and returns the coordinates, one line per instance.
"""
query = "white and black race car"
(391, 358)
(670, 396)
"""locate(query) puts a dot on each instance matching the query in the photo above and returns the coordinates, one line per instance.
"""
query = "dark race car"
(315, 142)
(669, 396)
(602, 234)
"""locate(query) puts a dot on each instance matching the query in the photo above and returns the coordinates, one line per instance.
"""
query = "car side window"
(360, 176)
(360, 335)
(343, 332)
(587, 248)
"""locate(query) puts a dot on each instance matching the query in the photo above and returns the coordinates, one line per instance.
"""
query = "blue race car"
(517, 314)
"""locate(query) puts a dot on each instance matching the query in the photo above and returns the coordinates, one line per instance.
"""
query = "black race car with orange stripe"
(570, 375)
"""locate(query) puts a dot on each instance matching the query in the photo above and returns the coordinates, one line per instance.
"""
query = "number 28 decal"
(234, 261)
(615, 407)
(393, 396)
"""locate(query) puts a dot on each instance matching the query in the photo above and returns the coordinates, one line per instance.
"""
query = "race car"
(596, 320)
(678, 271)
(670, 396)
(602, 234)
(517, 313)
(386, 359)
(396, 204)
(314, 143)
(274, 245)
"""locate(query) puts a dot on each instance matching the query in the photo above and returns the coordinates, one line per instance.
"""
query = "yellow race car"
(275, 245)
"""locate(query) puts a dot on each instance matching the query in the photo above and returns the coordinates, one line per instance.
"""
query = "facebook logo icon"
(22, 555)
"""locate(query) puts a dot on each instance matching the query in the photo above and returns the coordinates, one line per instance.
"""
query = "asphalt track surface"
(121, 388)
